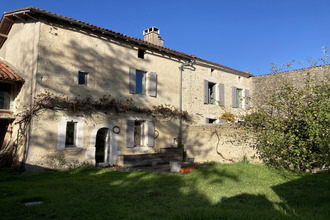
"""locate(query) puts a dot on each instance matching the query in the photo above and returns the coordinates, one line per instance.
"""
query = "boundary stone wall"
(227, 143)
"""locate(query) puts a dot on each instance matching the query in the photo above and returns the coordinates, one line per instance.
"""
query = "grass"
(235, 191)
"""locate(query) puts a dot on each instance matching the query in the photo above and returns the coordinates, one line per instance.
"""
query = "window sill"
(9, 111)
(140, 148)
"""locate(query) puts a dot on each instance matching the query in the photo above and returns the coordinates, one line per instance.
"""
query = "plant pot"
(175, 166)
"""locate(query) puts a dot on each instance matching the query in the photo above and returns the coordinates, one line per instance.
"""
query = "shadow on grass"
(94, 193)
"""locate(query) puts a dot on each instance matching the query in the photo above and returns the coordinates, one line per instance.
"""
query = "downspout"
(183, 65)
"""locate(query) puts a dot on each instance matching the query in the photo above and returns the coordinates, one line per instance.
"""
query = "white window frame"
(78, 136)
(147, 137)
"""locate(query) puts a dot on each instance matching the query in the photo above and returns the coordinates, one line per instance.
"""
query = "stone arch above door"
(90, 151)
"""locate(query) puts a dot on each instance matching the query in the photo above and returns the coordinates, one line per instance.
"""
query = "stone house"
(46, 53)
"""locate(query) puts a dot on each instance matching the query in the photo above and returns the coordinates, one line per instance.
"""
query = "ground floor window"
(211, 120)
(70, 132)
(5, 95)
(140, 133)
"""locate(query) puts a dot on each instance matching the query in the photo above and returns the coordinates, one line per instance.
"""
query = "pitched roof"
(9, 18)
(8, 74)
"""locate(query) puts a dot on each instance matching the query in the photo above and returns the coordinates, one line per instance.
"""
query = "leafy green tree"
(293, 126)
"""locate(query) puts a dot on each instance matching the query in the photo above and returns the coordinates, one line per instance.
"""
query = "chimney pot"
(151, 35)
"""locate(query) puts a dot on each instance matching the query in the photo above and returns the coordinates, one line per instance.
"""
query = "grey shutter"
(151, 133)
(130, 133)
(132, 80)
(247, 99)
(206, 92)
(234, 97)
(153, 84)
(222, 94)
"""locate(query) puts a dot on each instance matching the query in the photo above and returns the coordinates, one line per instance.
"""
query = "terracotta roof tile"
(119, 35)
(7, 73)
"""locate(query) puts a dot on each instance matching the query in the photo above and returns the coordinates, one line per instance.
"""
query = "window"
(142, 83)
(141, 53)
(211, 120)
(5, 95)
(211, 93)
(140, 133)
(82, 78)
(237, 97)
(210, 90)
(70, 134)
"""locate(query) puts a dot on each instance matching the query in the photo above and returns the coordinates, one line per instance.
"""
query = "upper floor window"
(214, 93)
(141, 53)
(5, 95)
(238, 98)
(140, 86)
(142, 83)
(82, 78)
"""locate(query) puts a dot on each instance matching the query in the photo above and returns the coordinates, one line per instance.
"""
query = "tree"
(293, 126)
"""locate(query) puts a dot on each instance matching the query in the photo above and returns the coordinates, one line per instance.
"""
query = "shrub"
(294, 127)
(229, 117)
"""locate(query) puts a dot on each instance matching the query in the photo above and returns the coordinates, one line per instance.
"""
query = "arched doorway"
(102, 147)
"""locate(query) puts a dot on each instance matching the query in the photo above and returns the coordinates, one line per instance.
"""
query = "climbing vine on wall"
(49, 101)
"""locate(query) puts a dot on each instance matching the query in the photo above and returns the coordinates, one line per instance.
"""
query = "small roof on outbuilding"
(8, 74)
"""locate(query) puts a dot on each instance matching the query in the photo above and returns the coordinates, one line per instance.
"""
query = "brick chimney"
(151, 35)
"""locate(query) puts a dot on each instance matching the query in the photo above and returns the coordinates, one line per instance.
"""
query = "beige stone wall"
(221, 143)
(65, 51)
(21, 51)
(265, 85)
(43, 149)
(49, 55)
(193, 93)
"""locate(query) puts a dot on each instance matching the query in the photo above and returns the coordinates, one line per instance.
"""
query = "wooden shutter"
(153, 84)
(222, 94)
(151, 133)
(130, 133)
(132, 80)
(234, 97)
(247, 99)
(206, 92)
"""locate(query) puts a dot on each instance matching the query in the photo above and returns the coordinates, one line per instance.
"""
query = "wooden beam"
(30, 16)
(9, 19)
(3, 35)
(20, 18)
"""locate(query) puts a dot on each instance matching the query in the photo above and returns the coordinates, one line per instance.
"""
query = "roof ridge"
(138, 40)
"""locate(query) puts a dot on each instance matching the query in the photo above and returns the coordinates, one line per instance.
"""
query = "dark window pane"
(141, 53)
(137, 133)
(82, 78)
(211, 93)
(70, 133)
(140, 82)
(5, 91)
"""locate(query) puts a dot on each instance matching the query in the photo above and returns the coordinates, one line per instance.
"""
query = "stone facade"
(52, 53)
(73, 59)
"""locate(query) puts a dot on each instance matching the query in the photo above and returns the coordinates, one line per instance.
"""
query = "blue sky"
(247, 35)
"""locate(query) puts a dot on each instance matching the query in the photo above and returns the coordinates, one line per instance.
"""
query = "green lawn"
(235, 191)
